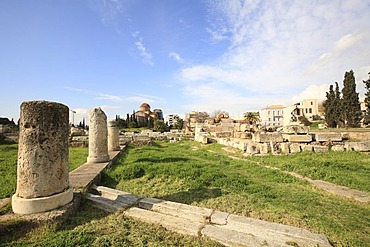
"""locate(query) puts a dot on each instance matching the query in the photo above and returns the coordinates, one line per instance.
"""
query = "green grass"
(187, 172)
(93, 227)
(351, 169)
(8, 166)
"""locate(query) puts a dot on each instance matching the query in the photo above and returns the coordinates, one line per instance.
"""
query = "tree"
(350, 102)
(179, 123)
(367, 101)
(332, 106)
(328, 105)
(251, 117)
(159, 126)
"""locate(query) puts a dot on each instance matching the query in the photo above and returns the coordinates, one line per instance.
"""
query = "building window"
(278, 113)
(268, 112)
(310, 110)
(306, 110)
(311, 103)
(269, 119)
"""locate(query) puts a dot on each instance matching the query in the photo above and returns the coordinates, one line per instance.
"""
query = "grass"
(187, 172)
(351, 169)
(93, 227)
(8, 166)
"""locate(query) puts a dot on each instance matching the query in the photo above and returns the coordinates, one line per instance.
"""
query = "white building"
(307, 108)
(272, 115)
(278, 115)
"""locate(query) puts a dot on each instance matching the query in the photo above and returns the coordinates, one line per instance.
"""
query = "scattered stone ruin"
(289, 139)
(42, 169)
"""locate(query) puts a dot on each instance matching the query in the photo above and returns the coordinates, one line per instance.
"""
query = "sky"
(178, 56)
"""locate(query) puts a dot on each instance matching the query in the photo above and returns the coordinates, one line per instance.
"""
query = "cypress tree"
(367, 101)
(329, 109)
(350, 102)
(337, 107)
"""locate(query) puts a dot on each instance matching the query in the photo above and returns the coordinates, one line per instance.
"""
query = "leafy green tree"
(350, 102)
(367, 101)
(179, 123)
(159, 126)
(251, 117)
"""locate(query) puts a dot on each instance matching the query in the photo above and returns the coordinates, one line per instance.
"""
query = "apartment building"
(272, 115)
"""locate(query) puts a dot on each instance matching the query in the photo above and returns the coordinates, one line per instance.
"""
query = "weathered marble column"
(98, 137)
(113, 136)
(42, 170)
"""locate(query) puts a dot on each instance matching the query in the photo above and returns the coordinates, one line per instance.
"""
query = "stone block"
(264, 148)
(229, 237)
(326, 137)
(299, 138)
(307, 147)
(219, 218)
(296, 129)
(337, 148)
(358, 146)
(252, 148)
(295, 148)
(267, 137)
(320, 149)
(284, 148)
(172, 223)
(275, 234)
(176, 209)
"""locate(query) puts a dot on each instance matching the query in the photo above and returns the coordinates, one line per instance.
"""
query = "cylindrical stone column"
(98, 137)
(113, 136)
(42, 170)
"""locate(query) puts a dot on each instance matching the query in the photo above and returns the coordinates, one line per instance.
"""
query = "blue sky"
(179, 56)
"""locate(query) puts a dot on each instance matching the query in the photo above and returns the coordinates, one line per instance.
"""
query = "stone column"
(113, 136)
(98, 137)
(42, 170)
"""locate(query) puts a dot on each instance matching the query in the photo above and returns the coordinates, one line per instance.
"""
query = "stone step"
(116, 195)
(184, 211)
(105, 203)
(250, 229)
(169, 222)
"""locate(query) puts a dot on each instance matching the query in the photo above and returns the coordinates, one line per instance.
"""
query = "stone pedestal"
(98, 137)
(113, 136)
(42, 170)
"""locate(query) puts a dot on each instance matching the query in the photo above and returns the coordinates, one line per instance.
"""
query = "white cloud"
(103, 96)
(176, 57)
(280, 50)
(146, 57)
(312, 92)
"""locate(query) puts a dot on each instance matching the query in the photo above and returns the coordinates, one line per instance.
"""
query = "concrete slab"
(219, 218)
(267, 137)
(105, 203)
(298, 138)
(274, 233)
(176, 209)
(229, 237)
(176, 224)
(117, 195)
(326, 137)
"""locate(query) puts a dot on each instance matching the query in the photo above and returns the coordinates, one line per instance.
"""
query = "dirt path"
(335, 189)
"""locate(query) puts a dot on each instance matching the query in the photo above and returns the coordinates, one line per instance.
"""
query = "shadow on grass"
(108, 181)
(156, 144)
(20, 232)
(14, 229)
(162, 160)
(85, 214)
(193, 195)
